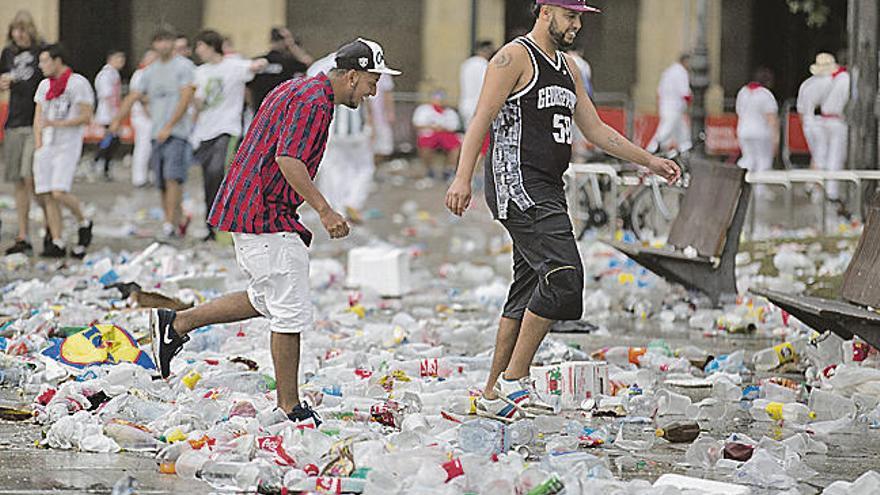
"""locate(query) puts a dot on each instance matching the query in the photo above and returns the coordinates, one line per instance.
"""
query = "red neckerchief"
(754, 85)
(840, 70)
(57, 85)
(438, 108)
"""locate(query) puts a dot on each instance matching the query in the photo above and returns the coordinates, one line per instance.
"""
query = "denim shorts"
(170, 160)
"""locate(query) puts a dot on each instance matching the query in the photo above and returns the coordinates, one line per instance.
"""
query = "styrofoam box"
(384, 270)
(573, 381)
(701, 486)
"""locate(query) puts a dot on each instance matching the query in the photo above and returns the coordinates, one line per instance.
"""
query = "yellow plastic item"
(191, 379)
(774, 410)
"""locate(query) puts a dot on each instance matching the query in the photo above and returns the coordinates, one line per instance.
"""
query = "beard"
(558, 36)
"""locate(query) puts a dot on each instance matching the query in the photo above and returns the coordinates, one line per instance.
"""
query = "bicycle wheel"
(646, 218)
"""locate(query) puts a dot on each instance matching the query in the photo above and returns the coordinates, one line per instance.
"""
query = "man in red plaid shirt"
(270, 177)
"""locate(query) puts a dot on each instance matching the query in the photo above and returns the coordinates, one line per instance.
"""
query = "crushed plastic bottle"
(487, 437)
(793, 412)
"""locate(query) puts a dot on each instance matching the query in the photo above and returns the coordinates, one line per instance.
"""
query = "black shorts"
(548, 276)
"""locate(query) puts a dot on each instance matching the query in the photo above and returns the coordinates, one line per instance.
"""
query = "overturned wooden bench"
(701, 249)
(852, 313)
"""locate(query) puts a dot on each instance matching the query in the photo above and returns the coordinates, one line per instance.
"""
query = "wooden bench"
(709, 221)
(851, 314)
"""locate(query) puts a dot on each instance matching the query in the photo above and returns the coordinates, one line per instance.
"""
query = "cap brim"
(386, 70)
(585, 8)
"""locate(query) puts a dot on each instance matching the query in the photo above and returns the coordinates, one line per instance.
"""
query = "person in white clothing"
(580, 147)
(833, 121)
(219, 102)
(108, 88)
(757, 128)
(347, 169)
(142, 126)
(471, 75)
(437, 130)
(673, 97)
(64, 103)
(382, 117)
(810, 95)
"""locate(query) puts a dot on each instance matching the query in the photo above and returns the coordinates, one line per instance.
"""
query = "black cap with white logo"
(363, 55)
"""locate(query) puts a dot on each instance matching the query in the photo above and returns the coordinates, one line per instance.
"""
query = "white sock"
(85, 223)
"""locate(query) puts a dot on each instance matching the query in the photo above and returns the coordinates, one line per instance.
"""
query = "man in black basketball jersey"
(531, 97)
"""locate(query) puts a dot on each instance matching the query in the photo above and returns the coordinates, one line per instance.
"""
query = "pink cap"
(576, 5)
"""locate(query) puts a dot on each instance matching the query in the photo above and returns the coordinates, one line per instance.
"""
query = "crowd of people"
(183, 114)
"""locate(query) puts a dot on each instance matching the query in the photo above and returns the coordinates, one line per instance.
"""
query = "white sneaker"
(498, 410)
(520, 394)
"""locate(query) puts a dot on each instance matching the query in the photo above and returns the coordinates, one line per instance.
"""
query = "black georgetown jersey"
(531, 136)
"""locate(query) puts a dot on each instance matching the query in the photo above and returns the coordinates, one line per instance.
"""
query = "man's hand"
(5, 81)
(335, 224)
(458, 197)
(667, 169)
(113, 128)
(257, 65)
(163, 135)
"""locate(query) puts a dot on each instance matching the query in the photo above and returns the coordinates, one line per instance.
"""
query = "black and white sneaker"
(54, 250)
(166, 342)
(20, 246)
(84, 234)
(304, 416)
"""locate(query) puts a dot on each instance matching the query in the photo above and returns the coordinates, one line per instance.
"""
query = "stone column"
(667, 28)
(248, 25)
(446, 39)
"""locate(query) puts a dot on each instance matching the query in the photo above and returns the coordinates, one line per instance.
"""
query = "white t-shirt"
(220, 87)
(108, 88)
(673, 89)
(471, 75)
(137, 109)
(753, 104)
(838, 95)
(65, 107)
(426, 116)
(377, 103)
(810, 96)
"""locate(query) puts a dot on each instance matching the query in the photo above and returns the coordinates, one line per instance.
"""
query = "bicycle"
(643, 207)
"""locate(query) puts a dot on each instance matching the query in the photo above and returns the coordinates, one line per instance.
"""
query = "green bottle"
(550, 486)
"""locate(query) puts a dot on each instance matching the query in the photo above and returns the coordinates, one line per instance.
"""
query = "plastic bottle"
(486, 437)
(679, 432)
(125, 486)
(829, 406)
(777, 393)
(551, 486)
(245, 382)
(327, 484)
(765, 410)
(129, 437)
(773, 357)
(637, 434)
(12, 376)
(229, 475)
(622, 356)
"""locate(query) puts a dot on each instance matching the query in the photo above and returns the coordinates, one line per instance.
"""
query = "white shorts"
(277, 266)
(54, 167)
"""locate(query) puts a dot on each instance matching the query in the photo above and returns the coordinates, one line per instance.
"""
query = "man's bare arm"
(605, 137)
(125, 109)
(505, 71)
(186, 96)
(297, 175)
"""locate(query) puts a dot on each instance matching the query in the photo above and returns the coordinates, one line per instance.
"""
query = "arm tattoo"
(615, 141)
(503, 59)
